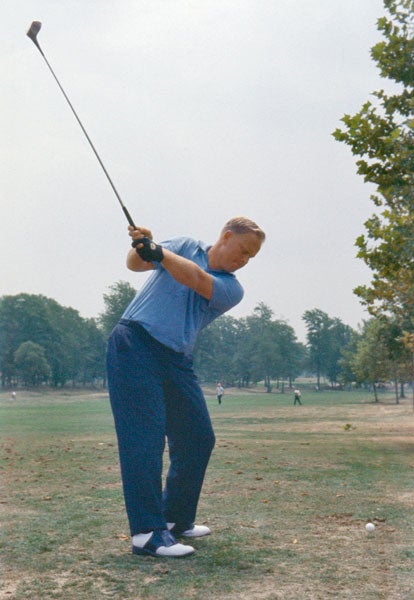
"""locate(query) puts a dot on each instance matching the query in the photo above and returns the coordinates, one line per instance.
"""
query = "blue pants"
(155, 394)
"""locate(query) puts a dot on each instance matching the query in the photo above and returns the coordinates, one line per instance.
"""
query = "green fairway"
(288, 492)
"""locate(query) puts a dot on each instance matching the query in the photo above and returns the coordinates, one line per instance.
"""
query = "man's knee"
(206, 443)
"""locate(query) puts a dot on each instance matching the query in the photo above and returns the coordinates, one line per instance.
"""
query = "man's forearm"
(183, 270)
(135, 263)
(188, 273)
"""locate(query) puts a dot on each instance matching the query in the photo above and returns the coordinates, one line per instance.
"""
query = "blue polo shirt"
(173, 313)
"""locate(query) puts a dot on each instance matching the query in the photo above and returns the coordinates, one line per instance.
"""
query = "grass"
(287, 495)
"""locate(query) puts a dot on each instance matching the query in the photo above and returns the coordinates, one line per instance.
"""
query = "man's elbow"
(205, 286)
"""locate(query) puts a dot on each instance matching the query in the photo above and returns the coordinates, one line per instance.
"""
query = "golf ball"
(370, 527)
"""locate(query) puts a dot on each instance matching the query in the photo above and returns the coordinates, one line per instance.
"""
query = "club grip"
(128, 216)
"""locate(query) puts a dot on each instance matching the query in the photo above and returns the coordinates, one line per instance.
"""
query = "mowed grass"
(288, 493)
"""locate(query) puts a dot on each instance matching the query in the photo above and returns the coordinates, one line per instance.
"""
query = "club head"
(33, 31)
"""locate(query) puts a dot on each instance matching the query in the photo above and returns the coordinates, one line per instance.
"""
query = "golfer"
(297, 396)
(153, 390)
(219, 392)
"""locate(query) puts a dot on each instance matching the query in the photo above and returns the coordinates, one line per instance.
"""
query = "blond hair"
(244, 225)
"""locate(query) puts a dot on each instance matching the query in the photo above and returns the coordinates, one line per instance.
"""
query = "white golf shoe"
(194, 531)
(159, 543)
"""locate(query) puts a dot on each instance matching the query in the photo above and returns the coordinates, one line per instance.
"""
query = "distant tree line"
(44, 343)
(248, 350)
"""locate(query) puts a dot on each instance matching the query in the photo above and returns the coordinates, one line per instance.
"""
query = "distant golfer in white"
(219, 392)
(297, 397)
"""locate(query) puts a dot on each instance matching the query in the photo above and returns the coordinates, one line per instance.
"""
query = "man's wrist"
(148, 250)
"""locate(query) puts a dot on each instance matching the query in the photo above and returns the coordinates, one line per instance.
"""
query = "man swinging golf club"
(153, 390)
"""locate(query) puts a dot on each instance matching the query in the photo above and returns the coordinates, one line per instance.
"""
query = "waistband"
(146, 336)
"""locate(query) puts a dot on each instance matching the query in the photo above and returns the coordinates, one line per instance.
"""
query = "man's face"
(238, 249)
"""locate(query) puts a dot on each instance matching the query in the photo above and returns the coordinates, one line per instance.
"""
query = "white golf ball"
(370, 527)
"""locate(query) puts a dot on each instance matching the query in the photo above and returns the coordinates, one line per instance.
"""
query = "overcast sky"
(200, 110)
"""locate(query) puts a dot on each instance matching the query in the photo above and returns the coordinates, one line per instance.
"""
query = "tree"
(340, 337)
(398, 356)
(23, 318)
(242, 356)
(369, 363)
(64, 349)
(296, 358)
(262, 345)
(215, 350)
(31, 364)
(407, 339)
(381, 355)
(348, 374)
(250, 349)
(382, 135)
(290, 354)
(93, 353)
(69, 342)
(318, 323)
(120, 295)
(327, 339)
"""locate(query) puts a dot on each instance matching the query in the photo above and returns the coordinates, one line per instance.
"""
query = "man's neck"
(213, 261)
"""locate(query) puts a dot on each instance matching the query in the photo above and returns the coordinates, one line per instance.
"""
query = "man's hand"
(144, 246)
(139, 232)
(148, 250)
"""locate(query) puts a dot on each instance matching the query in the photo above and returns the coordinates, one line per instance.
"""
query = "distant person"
(219, 392)
(13, 395)
(297, 395)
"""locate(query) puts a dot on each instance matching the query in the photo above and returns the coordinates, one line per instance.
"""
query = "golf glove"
(150, 251)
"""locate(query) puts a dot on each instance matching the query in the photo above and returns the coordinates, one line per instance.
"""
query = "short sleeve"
(227, 292)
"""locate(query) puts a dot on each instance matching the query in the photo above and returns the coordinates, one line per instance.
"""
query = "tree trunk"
(397, 396)
(412, 376)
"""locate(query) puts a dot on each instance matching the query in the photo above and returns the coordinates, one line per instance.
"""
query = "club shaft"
(126, 213)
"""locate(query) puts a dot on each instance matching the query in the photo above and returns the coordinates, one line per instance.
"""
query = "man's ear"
(227, 234)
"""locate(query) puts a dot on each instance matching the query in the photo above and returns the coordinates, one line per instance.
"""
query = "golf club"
(32, 34)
